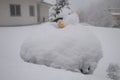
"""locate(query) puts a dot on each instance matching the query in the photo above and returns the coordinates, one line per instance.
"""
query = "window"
(15, 10)
(32, 10)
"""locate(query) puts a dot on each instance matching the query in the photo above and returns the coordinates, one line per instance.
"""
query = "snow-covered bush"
(71, 19)
(73, 48)
(114, 72)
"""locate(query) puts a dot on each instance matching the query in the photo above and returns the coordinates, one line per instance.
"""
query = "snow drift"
(73, 48)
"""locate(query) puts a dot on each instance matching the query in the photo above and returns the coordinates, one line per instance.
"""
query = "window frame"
(31, 10)
(15, 10)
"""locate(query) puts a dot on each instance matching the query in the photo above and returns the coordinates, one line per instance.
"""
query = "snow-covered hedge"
(73, 48)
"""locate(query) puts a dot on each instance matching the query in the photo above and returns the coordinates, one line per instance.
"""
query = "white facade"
(25, 18)
(44, 12)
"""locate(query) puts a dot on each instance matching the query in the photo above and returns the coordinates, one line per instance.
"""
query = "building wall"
(44, 12)
(24, 19)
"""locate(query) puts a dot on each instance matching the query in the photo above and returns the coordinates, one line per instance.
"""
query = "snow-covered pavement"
(12, 67)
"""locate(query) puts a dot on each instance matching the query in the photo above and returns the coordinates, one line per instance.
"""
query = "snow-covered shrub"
(73, 48)
(71, 19)
(114, 71)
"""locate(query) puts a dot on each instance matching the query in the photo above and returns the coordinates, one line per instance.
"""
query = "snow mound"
(71, 19)
(72, 48)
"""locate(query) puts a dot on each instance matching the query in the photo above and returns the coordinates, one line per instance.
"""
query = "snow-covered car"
(73, 48)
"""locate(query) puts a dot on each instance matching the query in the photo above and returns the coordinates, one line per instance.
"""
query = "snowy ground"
(12, 67)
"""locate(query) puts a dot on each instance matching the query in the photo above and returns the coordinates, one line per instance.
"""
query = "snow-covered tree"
(96, 12)
(59, 10)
